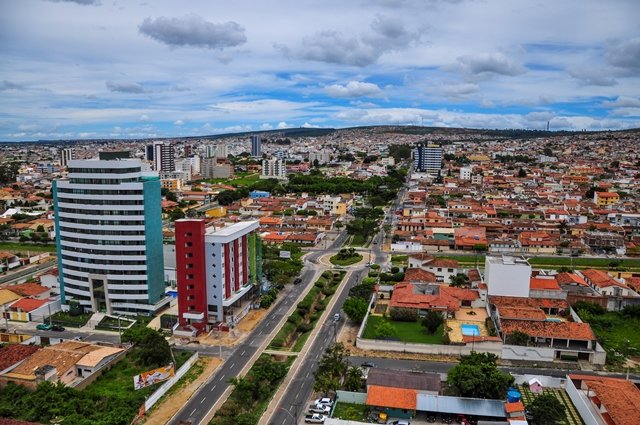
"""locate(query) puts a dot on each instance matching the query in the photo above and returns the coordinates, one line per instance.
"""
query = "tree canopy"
(478, 376)
(546, 409)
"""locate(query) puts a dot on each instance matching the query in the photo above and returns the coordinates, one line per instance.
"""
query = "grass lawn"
(405, 331)
(119, 382)
(553, 262)
(571, 416)
(350, 411)
(356, 258)
(618, 333)
(65, 319)
(24, 247)
(358, 240)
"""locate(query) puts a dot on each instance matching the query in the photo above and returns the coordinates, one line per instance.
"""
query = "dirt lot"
(162, 412)
(234, 336)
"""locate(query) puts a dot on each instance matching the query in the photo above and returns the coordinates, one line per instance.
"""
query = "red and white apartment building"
(216, 272)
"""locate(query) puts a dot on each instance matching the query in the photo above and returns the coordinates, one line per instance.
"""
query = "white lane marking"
(232, 365)
(242, 354)
(194, 411)
(212, 388)
(202, 401)
(284, 420)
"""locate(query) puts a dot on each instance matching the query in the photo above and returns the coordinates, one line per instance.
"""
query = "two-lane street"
(200, 404)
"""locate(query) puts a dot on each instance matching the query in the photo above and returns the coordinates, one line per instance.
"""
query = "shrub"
(589, 307)
(277, 342)
(401, 314)
(304, 327)
(328, 291)
(266, 301)
(294, 319)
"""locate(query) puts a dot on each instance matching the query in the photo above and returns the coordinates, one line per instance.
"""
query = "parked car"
(43, 327)
(336, 317)
(315, 418)
(368, 364)
(399, 422)
(57, 328)
(320, 408)
(326, 401)
(297, 280)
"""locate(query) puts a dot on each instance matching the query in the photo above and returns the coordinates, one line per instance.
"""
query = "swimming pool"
(470, 330)
(172, 293)
(553, 319)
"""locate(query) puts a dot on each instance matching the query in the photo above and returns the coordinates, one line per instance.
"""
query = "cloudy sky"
(154, 68)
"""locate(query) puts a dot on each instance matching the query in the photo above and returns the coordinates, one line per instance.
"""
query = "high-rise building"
(222, 150)
(256, 146)
(217, 271)
(323, 156)
(212, 168)
(109, 235)
(274, 168)
(66, 154)
(210, 151)
(428, 158)
(148, 152)
(163, 156)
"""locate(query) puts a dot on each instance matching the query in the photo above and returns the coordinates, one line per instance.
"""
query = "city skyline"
(77, 69)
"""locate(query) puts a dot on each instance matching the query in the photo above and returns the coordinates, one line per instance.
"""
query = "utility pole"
(119, 330)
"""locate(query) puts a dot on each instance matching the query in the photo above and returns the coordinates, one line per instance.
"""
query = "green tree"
(517, 338)
(460, 280)
(478, 376)
(402, 314)
(354, 379)
(546, 409)
(384, 330)
(432, 321)
(332, 368)
(152, 348)
(522, 173)
(176, 214)
(356, 308)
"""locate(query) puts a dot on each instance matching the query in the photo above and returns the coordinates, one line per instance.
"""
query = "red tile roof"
(419, 275)
(397, 398)
(562, 330)
(565, 278)
(444, 297)
(502, 301)
(27, 304)
(544, 284)
(600, 278)
(521, 313)
(29, 289)
(621, 398)
(515, 407)
(14, 353)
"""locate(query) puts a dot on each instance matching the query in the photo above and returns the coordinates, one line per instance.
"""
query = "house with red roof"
(603, 400)
(604, 284)
(423, 298)
(32, 310)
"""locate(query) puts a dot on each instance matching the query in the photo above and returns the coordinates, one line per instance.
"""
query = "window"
(188, 244)
(189, 255)
(189, 266)
(189, 234)
(190, 276)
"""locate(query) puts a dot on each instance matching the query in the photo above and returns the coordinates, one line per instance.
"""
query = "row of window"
(103, 232)
(102, 181)
(99, 191)
(101, 251)
(103, 222)
(100, 201)
(102, 242)
(103, 271)
(119, 262)
(85, 279)
(102, 212)
(104, 170)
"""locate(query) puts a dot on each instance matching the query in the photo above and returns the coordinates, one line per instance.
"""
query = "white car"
(325, 401)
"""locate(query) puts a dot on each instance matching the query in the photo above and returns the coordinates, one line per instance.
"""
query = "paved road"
(28, 271)
(203, 400)
(295, 399)
(444, 367)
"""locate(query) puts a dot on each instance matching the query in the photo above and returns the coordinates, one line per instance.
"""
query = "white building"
(322, 156)
(465, 173)
(428, 158)
(109, 235)
(273, 168)
(163, 156)
(507, 276)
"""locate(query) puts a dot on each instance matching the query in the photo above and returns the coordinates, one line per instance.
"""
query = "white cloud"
(622, 102)
(144, 118)
(193, 30)
(124, 87)
(353, 89)
(489, 63)
(283, 125)
(178, 123)
(461, 89)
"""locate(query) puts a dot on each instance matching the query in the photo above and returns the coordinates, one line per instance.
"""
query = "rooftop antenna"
(547, 125)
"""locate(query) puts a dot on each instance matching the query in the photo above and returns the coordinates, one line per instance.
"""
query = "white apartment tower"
(109, 235)
(274, 168)
(427, 158)
(163, 156)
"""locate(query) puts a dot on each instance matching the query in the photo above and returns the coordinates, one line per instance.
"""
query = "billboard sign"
(154, 376)
(285, 254)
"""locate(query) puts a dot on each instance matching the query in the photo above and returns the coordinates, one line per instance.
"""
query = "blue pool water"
(172, 293)
(553, 319)
(470, 330)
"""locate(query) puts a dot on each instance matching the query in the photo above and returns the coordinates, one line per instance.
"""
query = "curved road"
(203, 400)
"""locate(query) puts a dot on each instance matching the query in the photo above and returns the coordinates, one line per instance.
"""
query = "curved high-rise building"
(109, 235)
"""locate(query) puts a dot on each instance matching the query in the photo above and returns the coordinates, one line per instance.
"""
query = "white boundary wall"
(153, 398)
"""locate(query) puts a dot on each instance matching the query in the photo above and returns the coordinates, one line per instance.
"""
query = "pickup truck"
(315, 418)
(319, 408)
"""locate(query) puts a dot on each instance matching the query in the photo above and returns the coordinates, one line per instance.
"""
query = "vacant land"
(350, 411)
(23, 248)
